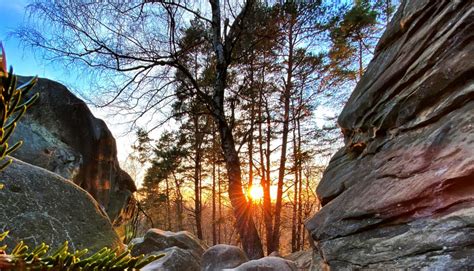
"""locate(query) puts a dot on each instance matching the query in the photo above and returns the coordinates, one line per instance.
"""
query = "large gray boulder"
(61, 135)
(399, 195)
(38, 206)
(267, 264)
(222, 256)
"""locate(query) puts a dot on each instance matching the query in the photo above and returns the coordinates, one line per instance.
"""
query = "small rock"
(275, 254)
(157, 240)
(222, 256)
(175, 259)
(269, 263)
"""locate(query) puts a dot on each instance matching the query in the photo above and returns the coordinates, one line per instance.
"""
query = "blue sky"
(23, 60)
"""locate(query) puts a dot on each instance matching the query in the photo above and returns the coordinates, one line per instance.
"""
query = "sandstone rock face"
(222, 256)
(36, 206)
(267, 264)
(61, 135)
(401, 192)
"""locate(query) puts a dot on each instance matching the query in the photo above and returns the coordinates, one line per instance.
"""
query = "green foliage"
(143, 146)
(353, 35)
(13, 104)
(62, 259)
(168, 154)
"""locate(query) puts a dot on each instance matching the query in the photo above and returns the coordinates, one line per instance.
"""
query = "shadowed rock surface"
(39, 206)
(268, 263)
(61, 135)
(222, 256)
(183, 250)
(175, 259)
(400, 194)
(156, 240)
(302, 259)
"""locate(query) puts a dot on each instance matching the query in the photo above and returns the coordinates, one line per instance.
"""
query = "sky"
(25, 62)
(12, 14)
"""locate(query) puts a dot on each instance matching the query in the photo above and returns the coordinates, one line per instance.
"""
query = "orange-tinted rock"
(61, 135)
(406, 198)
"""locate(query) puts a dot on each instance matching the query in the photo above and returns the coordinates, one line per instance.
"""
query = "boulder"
(158, 240)
(38, 206)
(269, 263)
(175, 259)
(61, 135)
(222, 256)
(182, 250)
(400, 194)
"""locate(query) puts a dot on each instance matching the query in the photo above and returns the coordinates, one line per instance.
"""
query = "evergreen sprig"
(13, 104)
(21, 258)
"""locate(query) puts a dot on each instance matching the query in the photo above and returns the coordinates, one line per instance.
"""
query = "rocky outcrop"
(400, 194)
(222, 256)
(36, 206)
(61, 135)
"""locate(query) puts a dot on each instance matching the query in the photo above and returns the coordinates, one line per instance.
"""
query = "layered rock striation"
(400, 194)
(61, 135)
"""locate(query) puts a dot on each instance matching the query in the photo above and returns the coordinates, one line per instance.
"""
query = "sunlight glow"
(255, 192)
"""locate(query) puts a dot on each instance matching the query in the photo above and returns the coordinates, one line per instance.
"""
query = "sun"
(255, 192)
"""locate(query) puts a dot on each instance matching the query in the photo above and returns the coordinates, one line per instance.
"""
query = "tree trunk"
(267, 207)
(300, 187)
(197, 177)
(267, 200)
(241, 207)
(246, 227)
(219, 191)
(294, 224)
(214, 232)
(361, 65)
(281, 170)
(179, 204)
(168, 205)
